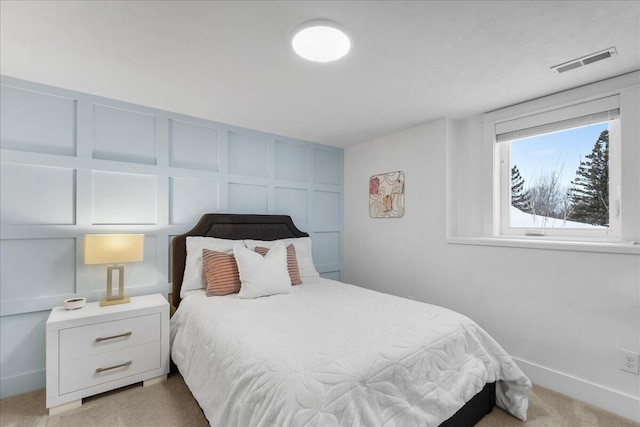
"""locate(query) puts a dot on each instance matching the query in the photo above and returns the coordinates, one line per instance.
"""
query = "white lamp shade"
(113, 248)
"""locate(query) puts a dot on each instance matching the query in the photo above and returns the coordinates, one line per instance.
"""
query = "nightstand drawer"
(104, 367)
(108, 336)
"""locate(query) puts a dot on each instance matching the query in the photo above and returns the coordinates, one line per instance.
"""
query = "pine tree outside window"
(557, 178)
(589, 191)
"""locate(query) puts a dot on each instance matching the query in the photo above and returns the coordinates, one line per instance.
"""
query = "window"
(559, 172)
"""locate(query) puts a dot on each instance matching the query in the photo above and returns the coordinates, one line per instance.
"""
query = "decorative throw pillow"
(221, 272)
(292, 262)
(303, 253)
(262, 275)
(193, 278)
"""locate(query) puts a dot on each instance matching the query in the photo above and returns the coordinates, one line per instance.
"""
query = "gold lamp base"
(120, 298)
(106, 302)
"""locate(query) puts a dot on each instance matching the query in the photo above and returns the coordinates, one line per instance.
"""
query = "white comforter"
(332, 354)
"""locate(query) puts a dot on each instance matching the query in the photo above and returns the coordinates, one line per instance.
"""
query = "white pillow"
(303, 253)
(193, 278)
(262, 275)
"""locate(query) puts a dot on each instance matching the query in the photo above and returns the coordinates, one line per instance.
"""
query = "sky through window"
(543, 154)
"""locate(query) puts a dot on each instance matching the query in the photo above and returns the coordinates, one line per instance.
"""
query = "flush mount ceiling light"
(320, 40)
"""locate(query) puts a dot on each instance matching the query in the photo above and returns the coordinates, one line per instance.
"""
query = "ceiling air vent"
(585, 60)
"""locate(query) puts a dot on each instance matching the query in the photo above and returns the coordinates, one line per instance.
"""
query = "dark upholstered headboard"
(229, 226)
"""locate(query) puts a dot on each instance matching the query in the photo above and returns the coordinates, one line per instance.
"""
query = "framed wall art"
(386, 195)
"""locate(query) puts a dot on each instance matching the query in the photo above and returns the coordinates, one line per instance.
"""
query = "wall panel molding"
(39, 122)
(124, 135)
(193, 146)
(45, 195)
(75, 164)
(121, 198)
(248, 154)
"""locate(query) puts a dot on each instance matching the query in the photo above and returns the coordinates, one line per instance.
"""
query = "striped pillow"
(221, 272)
(292, 262)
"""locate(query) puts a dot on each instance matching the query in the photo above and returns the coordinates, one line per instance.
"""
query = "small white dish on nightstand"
(75, 303)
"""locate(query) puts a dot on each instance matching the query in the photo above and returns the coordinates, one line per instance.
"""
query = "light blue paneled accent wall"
(73, 164)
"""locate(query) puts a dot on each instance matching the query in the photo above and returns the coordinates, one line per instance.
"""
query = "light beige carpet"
(170, 404)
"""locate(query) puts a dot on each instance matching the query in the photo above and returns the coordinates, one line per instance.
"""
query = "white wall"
(562, 314)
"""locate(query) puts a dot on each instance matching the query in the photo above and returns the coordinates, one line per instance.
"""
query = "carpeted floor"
(170, 404)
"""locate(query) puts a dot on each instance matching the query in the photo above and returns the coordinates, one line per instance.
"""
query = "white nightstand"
(95, 349)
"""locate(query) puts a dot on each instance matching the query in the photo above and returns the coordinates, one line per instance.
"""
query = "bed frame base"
(474, 410)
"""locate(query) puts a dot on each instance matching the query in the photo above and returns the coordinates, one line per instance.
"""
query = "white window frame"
(567, 117)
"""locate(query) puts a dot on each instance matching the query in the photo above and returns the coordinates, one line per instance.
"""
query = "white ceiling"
(231, 62)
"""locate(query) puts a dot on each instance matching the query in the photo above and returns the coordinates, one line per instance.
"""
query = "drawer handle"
(122, 365)
(126, 334)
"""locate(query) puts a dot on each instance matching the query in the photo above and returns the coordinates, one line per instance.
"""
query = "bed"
(328, 353)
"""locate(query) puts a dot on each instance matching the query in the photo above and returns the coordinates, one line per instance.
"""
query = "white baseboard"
(23, 383)
(610, 400)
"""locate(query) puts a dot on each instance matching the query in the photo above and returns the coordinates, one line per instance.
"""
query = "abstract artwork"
(386, 195)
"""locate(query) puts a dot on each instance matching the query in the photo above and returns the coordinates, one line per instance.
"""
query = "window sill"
(510, 242)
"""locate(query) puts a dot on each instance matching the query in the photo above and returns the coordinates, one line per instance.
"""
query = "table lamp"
(113, 249)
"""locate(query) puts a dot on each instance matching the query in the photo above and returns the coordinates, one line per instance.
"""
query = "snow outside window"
(559, 172)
